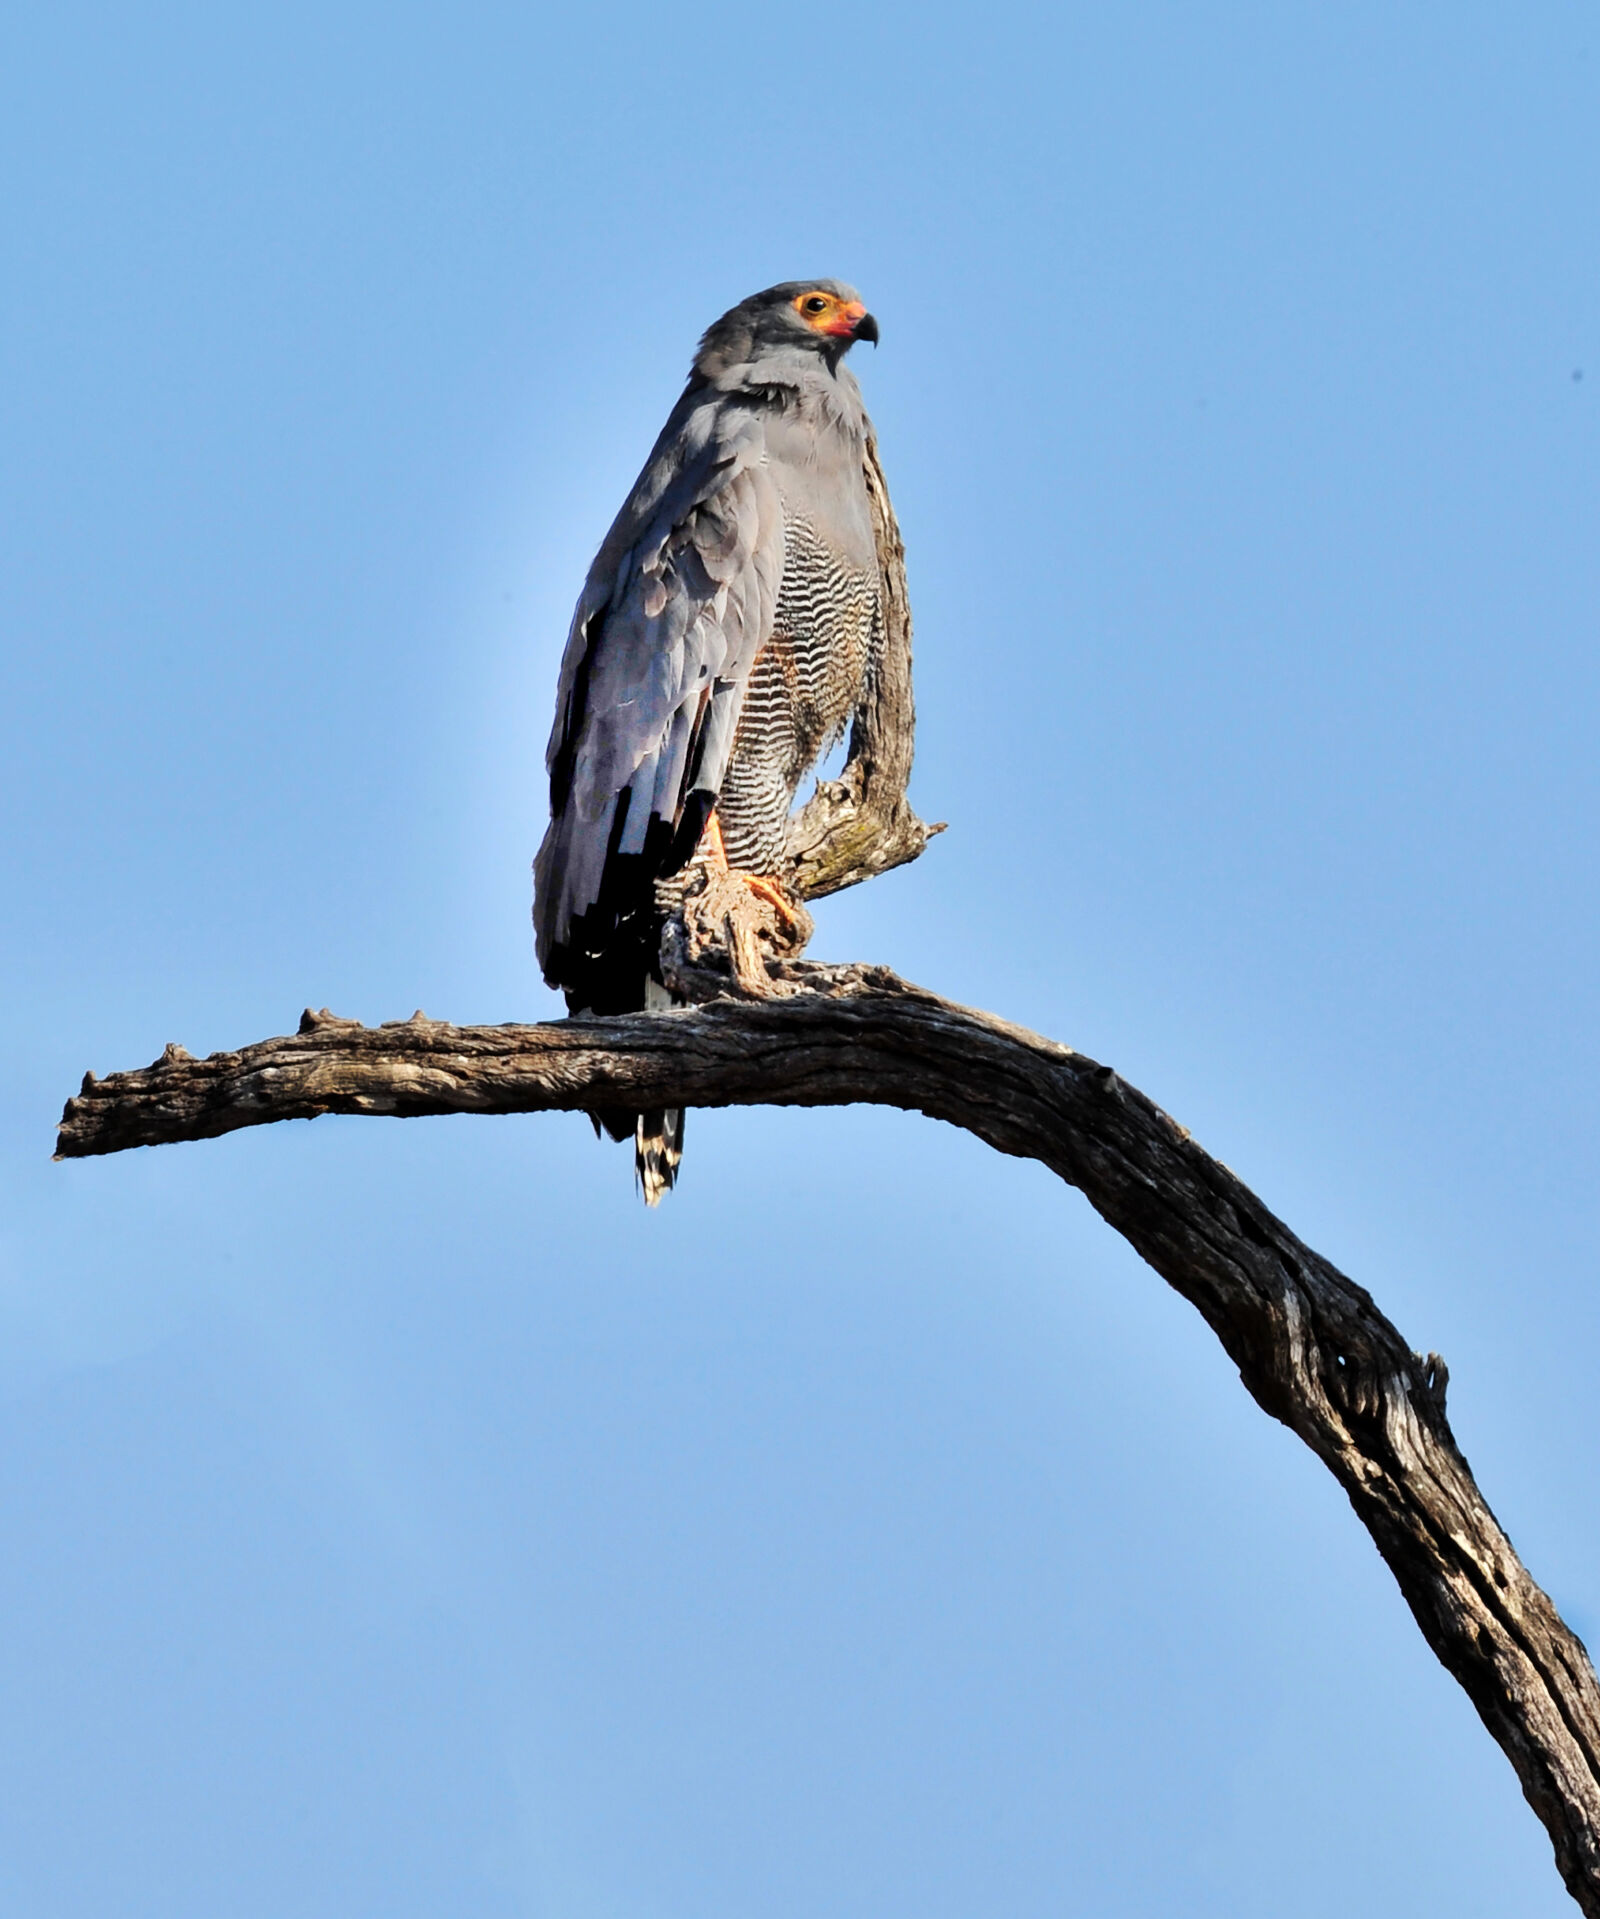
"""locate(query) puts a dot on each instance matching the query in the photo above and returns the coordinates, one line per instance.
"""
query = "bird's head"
(824, 317)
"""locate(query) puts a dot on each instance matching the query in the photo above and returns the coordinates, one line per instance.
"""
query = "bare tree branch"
(1310, 1345)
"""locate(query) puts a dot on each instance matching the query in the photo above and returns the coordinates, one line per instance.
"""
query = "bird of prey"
(723, 639)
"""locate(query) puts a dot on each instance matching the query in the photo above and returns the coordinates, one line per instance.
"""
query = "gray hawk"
(724, 638)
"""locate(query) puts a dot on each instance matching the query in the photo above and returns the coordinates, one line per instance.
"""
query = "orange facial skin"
(827, 313)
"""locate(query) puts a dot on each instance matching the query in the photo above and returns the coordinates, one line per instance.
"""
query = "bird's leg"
(715, 855)
(738, 914)
(711, 848)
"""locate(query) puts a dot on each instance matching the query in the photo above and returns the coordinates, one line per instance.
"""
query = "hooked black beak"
(866, 329)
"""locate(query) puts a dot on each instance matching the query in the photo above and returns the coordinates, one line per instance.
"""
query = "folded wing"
(676, 607)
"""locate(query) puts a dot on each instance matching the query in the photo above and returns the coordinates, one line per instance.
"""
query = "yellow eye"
(811, 304)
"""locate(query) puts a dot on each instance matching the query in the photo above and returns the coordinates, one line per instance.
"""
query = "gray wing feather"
(678, 603)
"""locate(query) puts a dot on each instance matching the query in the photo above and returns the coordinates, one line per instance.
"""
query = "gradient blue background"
(395, 1519)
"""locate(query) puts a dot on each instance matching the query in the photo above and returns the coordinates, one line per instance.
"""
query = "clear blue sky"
(396, 1520)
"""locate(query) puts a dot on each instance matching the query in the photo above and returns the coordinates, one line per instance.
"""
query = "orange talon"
(772, 893)
(715, 855)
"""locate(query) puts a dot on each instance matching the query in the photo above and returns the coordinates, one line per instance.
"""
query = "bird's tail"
(657, 1149)
(657, 1135)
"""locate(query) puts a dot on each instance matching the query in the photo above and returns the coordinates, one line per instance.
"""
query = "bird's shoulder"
(680, 594)
(708, 441)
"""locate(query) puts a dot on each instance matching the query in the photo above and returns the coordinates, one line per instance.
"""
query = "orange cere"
(827, 313)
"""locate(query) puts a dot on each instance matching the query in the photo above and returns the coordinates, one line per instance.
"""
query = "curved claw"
(795, 920)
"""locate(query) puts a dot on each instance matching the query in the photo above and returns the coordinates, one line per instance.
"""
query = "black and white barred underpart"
(806, 683)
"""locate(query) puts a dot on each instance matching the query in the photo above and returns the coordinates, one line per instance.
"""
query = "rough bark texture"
(1310, 1345)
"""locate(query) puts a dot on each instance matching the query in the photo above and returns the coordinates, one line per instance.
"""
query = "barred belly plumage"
(806, 683)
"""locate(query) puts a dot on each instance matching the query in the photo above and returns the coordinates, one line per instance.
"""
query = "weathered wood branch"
(1310, 1345)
